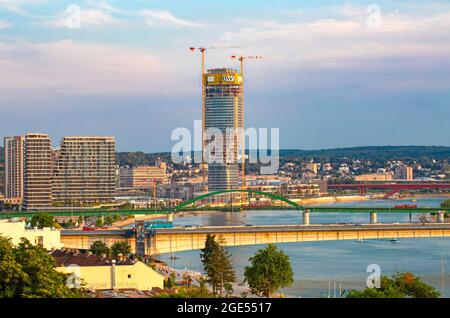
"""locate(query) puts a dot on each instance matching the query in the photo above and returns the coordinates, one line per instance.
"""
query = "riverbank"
(149, 217)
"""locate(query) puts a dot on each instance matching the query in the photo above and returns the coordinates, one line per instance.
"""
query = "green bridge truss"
(184, 206)
(266, 194)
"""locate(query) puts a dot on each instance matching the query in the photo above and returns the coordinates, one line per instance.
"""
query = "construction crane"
(202, 50)
(241, 59)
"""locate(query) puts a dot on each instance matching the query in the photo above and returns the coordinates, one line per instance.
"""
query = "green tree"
(99, 248)
(120, 248)
(80, 221)
(269, 271)
(228, 289)
(217, 263)
(446, 204)
(99, 222)
(29, 271)
(170, 281)
(42, 220)
(203, 289)
(401, 285)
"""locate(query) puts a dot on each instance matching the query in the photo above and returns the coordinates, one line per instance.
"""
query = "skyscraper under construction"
(224, 113)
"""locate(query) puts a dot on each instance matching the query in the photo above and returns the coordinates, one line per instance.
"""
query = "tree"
(203, 289)
(217, 263)
(120, 248)
(228, 289)
(100, 248)
(99, 222)
(29, 271)
(42, 220)
(446, 204)
(270, 270)
(170, 281)
(80, 221)
(401, 285)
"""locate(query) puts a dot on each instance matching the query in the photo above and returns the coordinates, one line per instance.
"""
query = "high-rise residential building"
(403, 173)
(2, 180)
(142, 177)
(37, 180)
(13, 151)
(84, 171)
(223, 112)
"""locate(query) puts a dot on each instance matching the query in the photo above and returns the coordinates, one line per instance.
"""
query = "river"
(323, 268)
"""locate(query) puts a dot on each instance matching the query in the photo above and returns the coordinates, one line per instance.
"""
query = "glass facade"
(224, 114)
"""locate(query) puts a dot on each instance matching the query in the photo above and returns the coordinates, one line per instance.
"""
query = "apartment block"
(37, 176)
(142, 177)
(84, 171)
(13, 180)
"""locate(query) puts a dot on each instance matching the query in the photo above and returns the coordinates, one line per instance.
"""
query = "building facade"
(224, 114)
(48, 238)
(404, 173)
(84, 171)
(14, 167)
(142, 177)
(37, 179)
(99, 273)
(374, 177)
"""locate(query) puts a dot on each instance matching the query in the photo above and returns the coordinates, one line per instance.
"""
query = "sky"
(333, 73)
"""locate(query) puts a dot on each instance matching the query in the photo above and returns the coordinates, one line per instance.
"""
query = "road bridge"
(185, 206)
(393, 187)
(161, 241)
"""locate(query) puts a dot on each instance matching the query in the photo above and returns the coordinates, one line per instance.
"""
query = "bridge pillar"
(373, 218)
(306, 217)
(169, 217)
(440, 217)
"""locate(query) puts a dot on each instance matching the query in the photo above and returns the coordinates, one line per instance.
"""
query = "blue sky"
(330, 77)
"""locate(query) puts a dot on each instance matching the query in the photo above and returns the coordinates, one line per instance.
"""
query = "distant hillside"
(377, 153)
(373, 152)
(140, 159)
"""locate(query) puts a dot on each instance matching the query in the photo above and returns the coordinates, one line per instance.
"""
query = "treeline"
(372, 153)
(375, 153)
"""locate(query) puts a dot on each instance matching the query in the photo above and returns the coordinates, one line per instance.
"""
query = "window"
(129, 276)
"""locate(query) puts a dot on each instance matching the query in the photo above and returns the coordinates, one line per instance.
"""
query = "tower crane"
(241, 59)
(202, 50)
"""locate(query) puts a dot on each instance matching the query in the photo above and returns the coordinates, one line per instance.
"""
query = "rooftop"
(66, 257)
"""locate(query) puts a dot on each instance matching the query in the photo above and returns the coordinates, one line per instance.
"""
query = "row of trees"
(28, 271)
(400, 285)
(269, 270)
(100, 248)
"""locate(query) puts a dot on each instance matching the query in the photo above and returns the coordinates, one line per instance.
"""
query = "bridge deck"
(182, 239)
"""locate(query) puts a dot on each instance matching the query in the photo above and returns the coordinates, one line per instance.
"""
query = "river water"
(325, 268)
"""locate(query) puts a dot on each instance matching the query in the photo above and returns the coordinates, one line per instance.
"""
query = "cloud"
(409, 51)
(17, 6)
(163, 16)
(88, 18)
(81, 68)
(4, 24)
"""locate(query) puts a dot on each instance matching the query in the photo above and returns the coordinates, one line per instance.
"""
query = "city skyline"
(116, 74)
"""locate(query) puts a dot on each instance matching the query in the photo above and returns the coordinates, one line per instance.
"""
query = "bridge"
(184, 206)
(393, 187)
(182, 239)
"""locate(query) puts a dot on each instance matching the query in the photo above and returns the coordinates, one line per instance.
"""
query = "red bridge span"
(393, 187)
